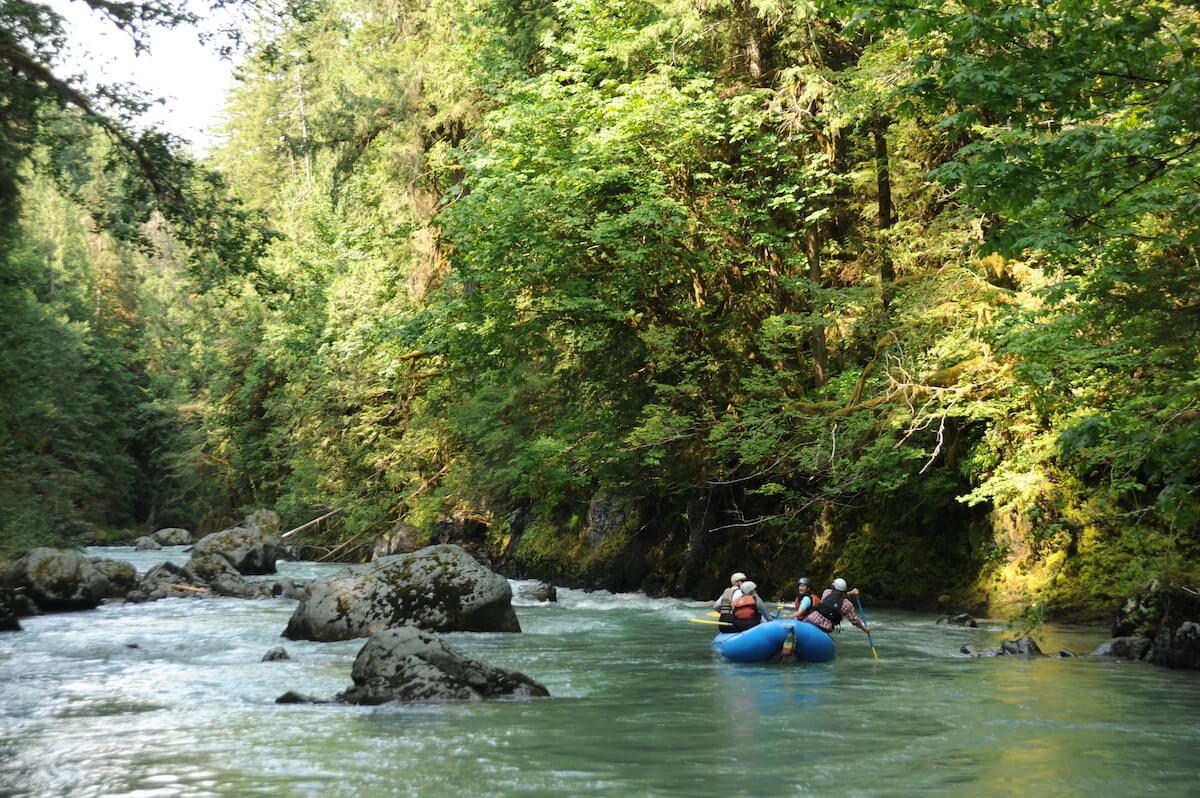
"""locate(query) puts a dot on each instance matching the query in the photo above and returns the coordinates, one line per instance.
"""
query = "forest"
(628, 293)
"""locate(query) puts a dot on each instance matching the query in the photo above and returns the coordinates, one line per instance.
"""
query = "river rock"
(264, 521)
(541, 591)
(1177, 646)
(59, 580)
(1123, 648)
(400, 539)
(1021, 647)
(250, 551)
(961, 619)
(167, 580)
(146, 543)
(439, 587)
(292, 697)
(276, 654)
(208, 568)
(173, 536)
(409, 664)
(8, 612)
(122, 576)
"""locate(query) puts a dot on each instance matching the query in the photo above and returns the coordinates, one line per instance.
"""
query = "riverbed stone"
(167, 580)
(960, 619)
(264, 521)
(400, 539)
(122, 576)
(276, 654)
(146, 543)
(248, 550)
(292, 697)
(207, 568)
(410, 664)
(1129, 647)
(541, 591)
(58, 581)
(173, 536)
(1021, 647)
(442, 588)
(8, 612)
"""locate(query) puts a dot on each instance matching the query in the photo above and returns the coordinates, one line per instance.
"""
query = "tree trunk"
(813, 242)
(883, 182)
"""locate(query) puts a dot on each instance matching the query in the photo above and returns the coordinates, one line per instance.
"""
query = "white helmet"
(748, 588)
(839, 584)
(738, 576)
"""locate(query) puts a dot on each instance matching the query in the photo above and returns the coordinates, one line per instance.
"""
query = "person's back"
(748, 609)
(724, 604)
(833, 607)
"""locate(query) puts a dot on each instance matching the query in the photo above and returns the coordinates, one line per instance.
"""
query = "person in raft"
(724, 604)
(806, 599)
(748, 609)
(833, 607)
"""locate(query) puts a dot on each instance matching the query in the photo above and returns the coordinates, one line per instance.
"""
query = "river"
(171, 699)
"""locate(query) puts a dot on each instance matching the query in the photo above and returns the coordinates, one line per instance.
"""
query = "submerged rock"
(275, 655)
(408, 664)
(541, 591)
(166, 580)
(961, 619)
(292, 697)
(442, 588)
(1021, 647)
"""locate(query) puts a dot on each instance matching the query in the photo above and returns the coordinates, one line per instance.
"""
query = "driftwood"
(314, 522)
(189, 588)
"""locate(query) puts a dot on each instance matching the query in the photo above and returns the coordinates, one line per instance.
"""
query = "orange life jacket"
(745, 608)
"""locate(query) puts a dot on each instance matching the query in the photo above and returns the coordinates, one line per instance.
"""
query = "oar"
(705, 620)
(863, 615)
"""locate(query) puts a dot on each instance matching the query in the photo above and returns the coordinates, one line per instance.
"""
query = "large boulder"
(146, 543)
(173, 536)
(1123, 648)
(59, 580)
(249, 551)
(122, 576)
(442, 588)
(408, 664)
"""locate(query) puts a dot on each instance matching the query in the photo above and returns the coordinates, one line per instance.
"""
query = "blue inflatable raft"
(760, 643)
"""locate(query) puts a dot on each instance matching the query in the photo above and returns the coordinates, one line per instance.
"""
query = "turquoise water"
(640, 706)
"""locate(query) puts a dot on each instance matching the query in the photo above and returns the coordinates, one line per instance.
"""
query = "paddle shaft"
(863, 616)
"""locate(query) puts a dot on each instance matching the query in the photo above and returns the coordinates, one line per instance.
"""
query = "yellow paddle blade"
(713, 614)
(705, 620)
(874, 652)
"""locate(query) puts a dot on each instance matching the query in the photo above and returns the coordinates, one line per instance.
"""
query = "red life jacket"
(812, 603)
(745, 608)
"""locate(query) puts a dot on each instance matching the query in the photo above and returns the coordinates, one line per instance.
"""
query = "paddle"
(705, 620)
(863, 615)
